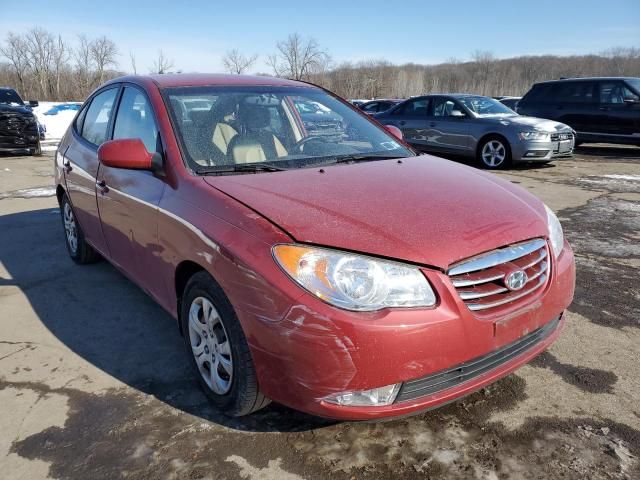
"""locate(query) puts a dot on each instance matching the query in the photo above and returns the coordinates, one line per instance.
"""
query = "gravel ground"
(93, 382)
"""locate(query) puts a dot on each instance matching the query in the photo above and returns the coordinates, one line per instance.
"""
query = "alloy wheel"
(70, 228)
(210, 345)
(493, 153)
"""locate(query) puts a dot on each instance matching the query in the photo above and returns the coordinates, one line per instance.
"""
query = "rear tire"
(494, 153)
(218, 349)
(79, 250)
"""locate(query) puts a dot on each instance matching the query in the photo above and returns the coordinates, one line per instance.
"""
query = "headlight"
(354, 282)
(555, 232)
(535, 135)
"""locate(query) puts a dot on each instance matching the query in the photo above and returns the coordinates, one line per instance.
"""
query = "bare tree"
(60, 58)
(83, 63)
(15, 50)
(103, 53)
(40, 52)
(162, 64)
(297, 58)
(236, 62)
(132, 57)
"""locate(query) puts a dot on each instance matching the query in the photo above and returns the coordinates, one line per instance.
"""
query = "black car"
(18, 125)
(511, 102)
(605, 109)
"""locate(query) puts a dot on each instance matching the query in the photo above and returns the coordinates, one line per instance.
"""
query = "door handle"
(66, 165)
(101, 185)
(432, 124)
(402, 122)
(606, 109)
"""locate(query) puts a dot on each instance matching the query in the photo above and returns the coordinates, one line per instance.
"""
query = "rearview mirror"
(395, 131)
(128, 153)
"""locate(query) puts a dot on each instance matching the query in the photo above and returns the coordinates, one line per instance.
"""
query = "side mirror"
(128, 153)
(395, 131)
(457, 114)
(33, 103)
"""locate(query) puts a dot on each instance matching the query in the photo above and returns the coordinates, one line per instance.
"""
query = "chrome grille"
(556, 137)
(482, 281)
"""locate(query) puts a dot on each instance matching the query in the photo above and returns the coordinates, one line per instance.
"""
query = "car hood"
(534, 122)
(424, 210)
(12, 108)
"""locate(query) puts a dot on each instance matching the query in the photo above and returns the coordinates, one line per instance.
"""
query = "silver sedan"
(478, 127)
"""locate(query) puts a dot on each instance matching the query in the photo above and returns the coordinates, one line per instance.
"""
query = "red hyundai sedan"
(332, 271)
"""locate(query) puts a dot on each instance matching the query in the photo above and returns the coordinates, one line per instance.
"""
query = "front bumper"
(536, 151)
(317, 350)
(9, 143)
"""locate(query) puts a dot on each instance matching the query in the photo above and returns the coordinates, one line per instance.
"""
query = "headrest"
(255, 117)
(200, 118)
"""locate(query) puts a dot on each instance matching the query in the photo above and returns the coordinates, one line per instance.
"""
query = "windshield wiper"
(242, 167)
(360, 158)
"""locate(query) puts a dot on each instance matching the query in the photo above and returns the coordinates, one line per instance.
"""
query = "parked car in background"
(510, 102)
(318, 120)
(304, 269)
(605, 109)
(380, 105)
(18, 124)
(480, 127)
(54, 110)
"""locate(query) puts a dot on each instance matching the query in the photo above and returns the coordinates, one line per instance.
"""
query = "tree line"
(44, 66)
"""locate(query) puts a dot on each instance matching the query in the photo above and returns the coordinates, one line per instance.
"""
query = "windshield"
(288, 127)
(485, 106)
(635, 83)
(9, 96)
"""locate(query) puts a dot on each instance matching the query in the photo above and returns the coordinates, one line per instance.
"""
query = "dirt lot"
(94, 382)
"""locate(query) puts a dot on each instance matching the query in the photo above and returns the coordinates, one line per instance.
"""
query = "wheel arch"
(492, 134)
(184, 271)
(60, 191)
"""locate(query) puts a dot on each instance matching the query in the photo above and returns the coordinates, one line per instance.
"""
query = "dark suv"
(599, 109)
(18, 124)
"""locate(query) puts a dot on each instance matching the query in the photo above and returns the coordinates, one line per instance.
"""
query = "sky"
(196, 34)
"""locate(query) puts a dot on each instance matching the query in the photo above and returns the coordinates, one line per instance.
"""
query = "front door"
(128, 199)
(81, 164)
(618, 117)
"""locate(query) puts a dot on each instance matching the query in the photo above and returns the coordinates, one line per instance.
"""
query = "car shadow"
(613, 152)
(108, 321)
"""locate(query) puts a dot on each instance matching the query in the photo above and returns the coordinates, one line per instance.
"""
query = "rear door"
(447, 132)
(411, 117)
(618, 117)
(128, 199)
(81, 163)
(576, 105)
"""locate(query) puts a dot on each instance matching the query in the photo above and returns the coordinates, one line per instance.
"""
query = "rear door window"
(575, 92)
(96, 122)
(135, 119)
(415, 108)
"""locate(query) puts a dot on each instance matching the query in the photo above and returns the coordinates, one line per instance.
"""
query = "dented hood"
(424, 210)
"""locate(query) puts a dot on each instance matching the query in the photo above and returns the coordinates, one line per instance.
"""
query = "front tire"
(494, 153)
(79, 250)
(218, 349)
(37, 151)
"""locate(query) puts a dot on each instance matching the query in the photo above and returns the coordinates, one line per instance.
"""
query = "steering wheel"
(303, 141)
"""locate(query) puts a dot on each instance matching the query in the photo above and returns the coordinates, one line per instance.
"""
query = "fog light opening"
(376, 397)
(536, 153)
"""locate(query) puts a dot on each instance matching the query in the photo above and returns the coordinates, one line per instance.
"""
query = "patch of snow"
(56, 124)
(631, 178)
(37, 192)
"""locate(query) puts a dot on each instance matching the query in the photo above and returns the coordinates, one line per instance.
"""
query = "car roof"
(209, 79)
(581, 79)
